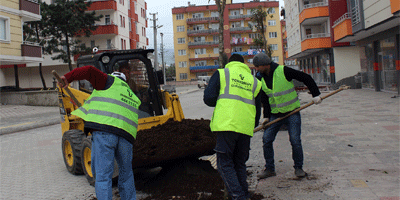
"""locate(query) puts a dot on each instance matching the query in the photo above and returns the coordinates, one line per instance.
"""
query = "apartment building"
(373, 26)
(336, 39)
(123, 26)
(15, 53)
(196, 36)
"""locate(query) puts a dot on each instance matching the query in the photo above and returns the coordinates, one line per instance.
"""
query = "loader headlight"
(105, 59)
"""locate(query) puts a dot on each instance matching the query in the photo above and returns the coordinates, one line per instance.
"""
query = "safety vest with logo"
(282, 97)
(235, 109)
(116, 106)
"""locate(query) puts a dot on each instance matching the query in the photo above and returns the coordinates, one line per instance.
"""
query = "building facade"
(15, 53)
(196, 36)
(373, 26)
(123, 26)
(334, 40)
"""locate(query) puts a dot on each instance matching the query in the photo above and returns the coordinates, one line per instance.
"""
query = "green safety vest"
(283, 97)
(116, 106)
(236, 110)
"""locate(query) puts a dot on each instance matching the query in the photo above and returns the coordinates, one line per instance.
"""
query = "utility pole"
(162, 58)
(155, 38)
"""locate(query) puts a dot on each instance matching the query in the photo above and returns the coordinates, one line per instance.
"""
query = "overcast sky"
(164, 10)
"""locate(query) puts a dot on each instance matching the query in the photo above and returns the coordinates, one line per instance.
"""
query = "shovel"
(74, 100)
(343, 87)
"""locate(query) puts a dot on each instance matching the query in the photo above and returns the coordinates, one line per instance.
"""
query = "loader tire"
(71, 149)
(87, 163)
(87, 159)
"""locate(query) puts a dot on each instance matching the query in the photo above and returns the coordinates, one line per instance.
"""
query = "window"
(216, 38)
(182, 64)
(271, 10)
(234, 12)
(215, 26)
(274, 47)
(181, 41)
(183, 76)
(121, 20)
(236, 36)
(130, 25)
(199, 39)
(107, 19)
(198, 27)
(198, 15)
(135, 4)
(92, 44)
(237, 49)
(214, 14)
(235, 24)
(272, 34)
(216, 62)
(136, 28)
(180, 28)
(182, 52)
(200, 51)
(275, 59)
(179, 16)
(201, 63)
(271, 23)
(109, 44)
(254, 35)
(122, 44)
(216, 50)
(4, 29)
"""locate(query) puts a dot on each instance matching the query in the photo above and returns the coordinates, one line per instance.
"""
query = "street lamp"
(162, 58)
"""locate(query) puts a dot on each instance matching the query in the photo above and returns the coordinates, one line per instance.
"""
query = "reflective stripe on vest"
(116, 106)
(235, 109)
(282, 97)
(226, 94)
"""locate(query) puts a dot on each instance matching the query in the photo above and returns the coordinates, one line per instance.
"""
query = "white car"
(202, 81)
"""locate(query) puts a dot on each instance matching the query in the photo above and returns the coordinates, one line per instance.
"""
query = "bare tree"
(221, 7)
(259, 16)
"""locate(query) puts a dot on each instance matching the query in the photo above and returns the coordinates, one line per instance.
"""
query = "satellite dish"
(95, 50)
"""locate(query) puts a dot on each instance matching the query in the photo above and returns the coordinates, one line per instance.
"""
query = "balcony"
(30, 10)
(394, 6)
(342, 27)
(316, 41)
(202, 32)
(103, 29)
(103, 5)
(314, 10)
(204, 68)
(30, 49)
(203, 43)
(202, 20)
(239, 17)
(241, 30)
(205, 58)
(249, 52)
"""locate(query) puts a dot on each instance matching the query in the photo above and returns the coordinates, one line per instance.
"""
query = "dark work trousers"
(232, 153)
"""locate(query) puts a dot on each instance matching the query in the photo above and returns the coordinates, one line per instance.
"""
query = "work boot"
(299, 172)
(266, 173)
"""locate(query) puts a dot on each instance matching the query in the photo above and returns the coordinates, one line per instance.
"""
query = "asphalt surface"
(350, 141)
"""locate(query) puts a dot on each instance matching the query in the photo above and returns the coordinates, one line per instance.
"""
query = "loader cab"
(142, 79)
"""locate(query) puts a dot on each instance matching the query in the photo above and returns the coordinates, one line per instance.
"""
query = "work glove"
(64, 83)
(317, 99)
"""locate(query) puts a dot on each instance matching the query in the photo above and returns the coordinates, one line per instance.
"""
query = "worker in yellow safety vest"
(233, 91)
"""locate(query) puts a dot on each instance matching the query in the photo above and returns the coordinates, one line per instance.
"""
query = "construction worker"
(279, 98)
(110, 114)
(233, 92)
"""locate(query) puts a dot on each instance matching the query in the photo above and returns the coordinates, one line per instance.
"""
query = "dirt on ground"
(166, 143)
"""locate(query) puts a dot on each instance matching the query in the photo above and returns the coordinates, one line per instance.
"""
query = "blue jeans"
(293, 124)
(105, 147)
(232, 153)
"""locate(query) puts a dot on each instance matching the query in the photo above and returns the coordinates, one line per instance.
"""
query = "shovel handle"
(298, 109)
(66, 89)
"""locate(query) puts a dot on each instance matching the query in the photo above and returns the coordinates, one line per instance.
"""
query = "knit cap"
(261, 59)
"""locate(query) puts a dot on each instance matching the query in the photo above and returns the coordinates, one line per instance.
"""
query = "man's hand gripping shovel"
(74, 100)
(263, 126)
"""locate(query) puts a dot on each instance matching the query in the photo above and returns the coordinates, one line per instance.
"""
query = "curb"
(189, 91)
(35, 124)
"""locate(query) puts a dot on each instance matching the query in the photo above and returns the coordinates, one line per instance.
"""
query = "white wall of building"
(292, 27)
(347, 61)
(376, 11)
(141, 23)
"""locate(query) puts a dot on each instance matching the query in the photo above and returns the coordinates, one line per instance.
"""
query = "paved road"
(350, 141)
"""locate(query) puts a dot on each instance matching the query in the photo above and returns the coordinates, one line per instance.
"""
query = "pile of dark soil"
(171, 141)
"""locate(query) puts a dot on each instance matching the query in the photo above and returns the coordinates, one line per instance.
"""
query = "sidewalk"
(15, 118)
(351, 150)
